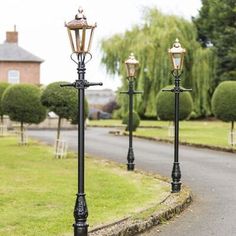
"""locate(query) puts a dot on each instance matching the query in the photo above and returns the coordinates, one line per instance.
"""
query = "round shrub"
(74, 115)
(136, 121)
(3, 87)
(165, 105)
(21, 103)
(62, 100)
(117, 114)
(224, 101)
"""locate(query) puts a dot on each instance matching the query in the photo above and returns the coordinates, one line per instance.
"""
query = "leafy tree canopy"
(216, 25)
(166, 102)
(22, 103)
(61, 100)
(150, 41)
(135, 123)
(223, 101)
(74, 116)
(3, 86)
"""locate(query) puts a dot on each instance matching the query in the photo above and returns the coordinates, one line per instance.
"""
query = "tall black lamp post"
(131, 67)
(177, 58)
(80, 36)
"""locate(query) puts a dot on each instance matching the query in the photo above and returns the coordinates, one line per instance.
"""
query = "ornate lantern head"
(80, 33)
(177, 55)
(131, 66)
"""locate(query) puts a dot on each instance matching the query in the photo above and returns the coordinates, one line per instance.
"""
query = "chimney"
(12, 36)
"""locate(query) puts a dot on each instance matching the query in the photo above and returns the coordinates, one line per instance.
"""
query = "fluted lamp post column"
(177, 59)
(80, 35)
(131, 68)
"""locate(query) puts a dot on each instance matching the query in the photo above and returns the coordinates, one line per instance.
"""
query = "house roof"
(14, 53)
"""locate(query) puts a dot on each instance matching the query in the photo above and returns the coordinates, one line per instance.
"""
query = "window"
(13, 76)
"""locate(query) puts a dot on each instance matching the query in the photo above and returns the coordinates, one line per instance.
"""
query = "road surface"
(210, 174)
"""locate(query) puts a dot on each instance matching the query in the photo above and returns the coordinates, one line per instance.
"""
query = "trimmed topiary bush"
(21, 103)
(3, 87)
(165, 103)
(117, 114)
(74, 115)
(60, 100)
(136, 121)
(224, 103)
(64, 102)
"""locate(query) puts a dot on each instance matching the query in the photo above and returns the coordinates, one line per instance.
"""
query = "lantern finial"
(131, 56)
(177, 43)
(80, 15)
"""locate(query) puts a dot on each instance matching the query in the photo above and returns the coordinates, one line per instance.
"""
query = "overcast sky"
(41, 30)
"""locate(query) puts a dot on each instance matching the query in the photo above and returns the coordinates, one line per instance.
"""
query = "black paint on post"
(80, 209)
(176, 172)
(130, 156)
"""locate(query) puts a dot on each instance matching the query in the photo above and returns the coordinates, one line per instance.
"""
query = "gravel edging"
(216, 148)
(122, 126)
(174, 204)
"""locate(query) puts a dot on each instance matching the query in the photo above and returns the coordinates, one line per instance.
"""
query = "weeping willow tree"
(150, 41)
(203, 70)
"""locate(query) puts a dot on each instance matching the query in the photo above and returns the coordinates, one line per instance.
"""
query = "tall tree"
(21, 103)
(223, 104)
(150, 42)
(3, 86)
(216, 27)
(166, 103)
(63, 101)
(60, 100)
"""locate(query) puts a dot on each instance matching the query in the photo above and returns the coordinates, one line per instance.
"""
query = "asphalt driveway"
(210, 174)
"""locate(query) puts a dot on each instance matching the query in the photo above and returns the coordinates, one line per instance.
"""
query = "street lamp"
(80, 36)
(177, 58)
(131, 67)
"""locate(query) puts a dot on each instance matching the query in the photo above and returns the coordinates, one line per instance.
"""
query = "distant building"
(98, 98)
(16, 64)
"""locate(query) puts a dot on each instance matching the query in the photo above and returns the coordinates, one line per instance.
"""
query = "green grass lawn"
(213, 133)
(107, 122)
(117, 123)
(37, 192)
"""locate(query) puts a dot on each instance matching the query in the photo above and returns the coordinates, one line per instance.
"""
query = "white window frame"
(13, 76)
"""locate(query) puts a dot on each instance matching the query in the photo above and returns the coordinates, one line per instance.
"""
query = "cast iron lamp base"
(80, 214)
(176, 176)
(80, 230)
(130, 158)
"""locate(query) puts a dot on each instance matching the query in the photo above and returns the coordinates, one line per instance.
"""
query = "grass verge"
(211, 133)
(37, 192)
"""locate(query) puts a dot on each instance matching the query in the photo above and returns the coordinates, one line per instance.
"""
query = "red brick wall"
(12, 37)
(29, 71)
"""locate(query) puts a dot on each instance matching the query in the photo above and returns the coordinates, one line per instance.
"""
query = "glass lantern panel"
(78, 40)
(177, 60)
(71, 39)
(131, 70)
(89, 39)
(83, 39)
